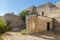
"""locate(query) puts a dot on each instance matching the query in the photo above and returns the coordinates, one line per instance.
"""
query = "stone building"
(47, 18)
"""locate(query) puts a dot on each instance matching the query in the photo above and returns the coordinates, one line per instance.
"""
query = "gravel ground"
(18, 36)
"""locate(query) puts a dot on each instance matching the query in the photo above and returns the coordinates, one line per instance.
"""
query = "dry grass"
(23, 32)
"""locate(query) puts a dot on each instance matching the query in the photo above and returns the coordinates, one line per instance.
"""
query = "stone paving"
(18, 36)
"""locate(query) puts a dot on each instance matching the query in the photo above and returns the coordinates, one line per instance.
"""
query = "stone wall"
(45, 13)
(15, 22)
(49, 12)
(57, 24)
(31, 9)
(58, 4)
(54, 13)
(38, 24)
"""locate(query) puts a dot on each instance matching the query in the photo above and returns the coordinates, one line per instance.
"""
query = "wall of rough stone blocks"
(52, 13)
(15, 22)
(58, 4)
(38, 24)
(57, 24)
(45, 10)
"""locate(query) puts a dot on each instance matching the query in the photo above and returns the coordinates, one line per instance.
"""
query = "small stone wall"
(57, 24)
(15, 22)
(38, 24)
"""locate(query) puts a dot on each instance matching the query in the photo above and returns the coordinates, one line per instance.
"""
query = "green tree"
(24, 13)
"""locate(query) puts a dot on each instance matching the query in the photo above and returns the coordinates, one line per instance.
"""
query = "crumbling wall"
(57, 24)
(37, 24)
(15, 22)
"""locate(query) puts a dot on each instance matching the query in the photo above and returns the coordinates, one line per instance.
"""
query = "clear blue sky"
(17, 6)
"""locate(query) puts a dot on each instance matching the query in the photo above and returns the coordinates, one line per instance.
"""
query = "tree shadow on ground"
(48, 35)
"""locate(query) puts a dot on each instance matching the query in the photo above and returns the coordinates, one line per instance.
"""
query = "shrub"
(1, 38)
(3, 26)
(24, 13)
(23, 32)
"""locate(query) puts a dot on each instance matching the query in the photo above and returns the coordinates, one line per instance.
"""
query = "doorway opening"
(48, 26)
(42, 13)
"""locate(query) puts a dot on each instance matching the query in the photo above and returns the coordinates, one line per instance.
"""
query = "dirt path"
(17, 36)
